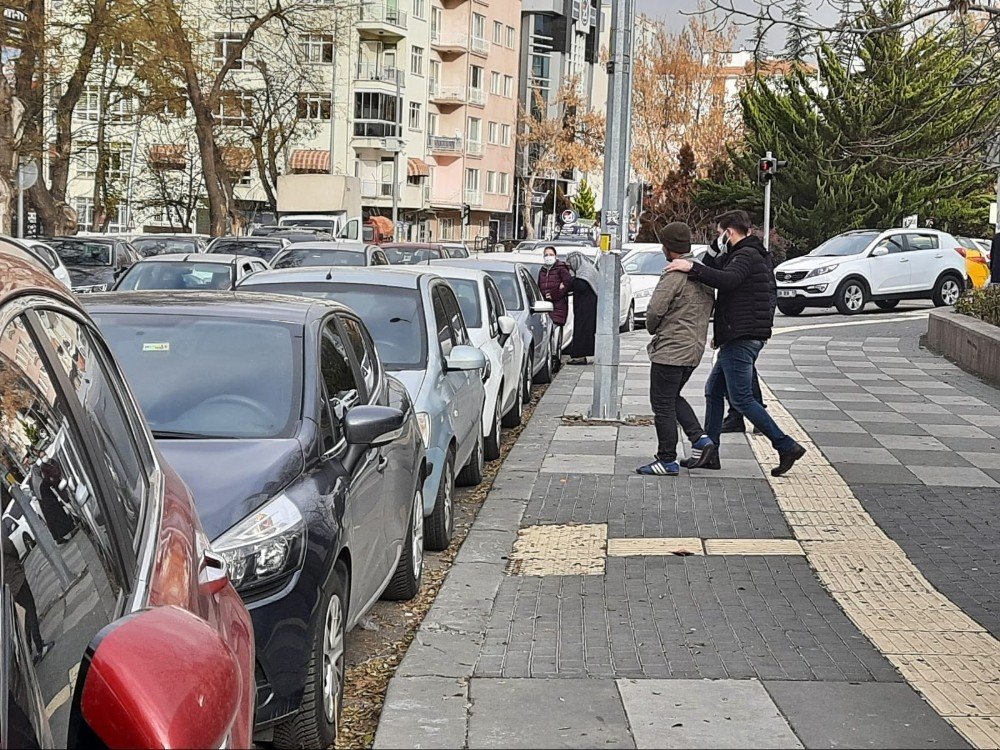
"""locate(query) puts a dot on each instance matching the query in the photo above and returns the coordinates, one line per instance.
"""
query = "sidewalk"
(592, 607)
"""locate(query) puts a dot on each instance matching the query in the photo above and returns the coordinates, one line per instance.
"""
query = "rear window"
(401, 256)
(301, 258)
(262, 250)
(147, 246)
(177, 275)
(81, 253)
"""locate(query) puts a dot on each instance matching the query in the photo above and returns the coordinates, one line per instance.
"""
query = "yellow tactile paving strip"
(942, 652)
(752, 547)
(557, 550)
(655, 546)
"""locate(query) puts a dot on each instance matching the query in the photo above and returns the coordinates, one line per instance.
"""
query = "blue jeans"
(733, 374)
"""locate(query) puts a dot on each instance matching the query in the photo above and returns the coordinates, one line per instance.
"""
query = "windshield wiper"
(179, 435)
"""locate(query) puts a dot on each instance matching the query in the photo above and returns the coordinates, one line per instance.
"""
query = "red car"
(118, 624)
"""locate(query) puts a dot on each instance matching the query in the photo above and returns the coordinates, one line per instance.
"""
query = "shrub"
(981, 303)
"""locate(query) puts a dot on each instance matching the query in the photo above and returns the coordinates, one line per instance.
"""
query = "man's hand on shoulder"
(680, 264)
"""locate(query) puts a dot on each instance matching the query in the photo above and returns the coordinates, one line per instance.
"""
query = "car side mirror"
(125, 701)
(465, 358)
(880, 251)
(372, 425)
(507, 325)
(542, 306)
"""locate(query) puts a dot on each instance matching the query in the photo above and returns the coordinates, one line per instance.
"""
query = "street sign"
(27, 175)
(568, 217)
(910, 222)
(538, 199)
(614, 218)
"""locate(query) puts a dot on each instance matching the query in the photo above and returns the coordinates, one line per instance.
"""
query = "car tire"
(947, 290)
(526, 395)
(472, 473)
(439, 526)
(851, 297)
(629, 325)
(492, 448)
(513, 417)
(886, 304)
(405, 582)
(318, 718)
(791, 308)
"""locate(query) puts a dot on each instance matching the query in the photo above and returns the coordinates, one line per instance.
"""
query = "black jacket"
(994, 265)
(747, 293)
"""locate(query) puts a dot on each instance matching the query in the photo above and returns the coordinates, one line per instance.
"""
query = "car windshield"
(401, 256)
(300, 258)
(263, 250)
(177, 275)
(318, 223)
(457, 252)
(467, 292)
(148, 246)
(508, 289)
(82, 253)
(646, 264)
(210, 376)
(394, 316)
(845, 244)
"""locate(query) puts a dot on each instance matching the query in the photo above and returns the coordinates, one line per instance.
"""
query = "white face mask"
(549, 260)
(724, 242)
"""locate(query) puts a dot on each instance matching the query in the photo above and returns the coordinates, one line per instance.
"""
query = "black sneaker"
(734, 425)
(786, 460)
(709, 459)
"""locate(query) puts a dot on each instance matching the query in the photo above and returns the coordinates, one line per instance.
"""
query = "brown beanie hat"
(676, 237)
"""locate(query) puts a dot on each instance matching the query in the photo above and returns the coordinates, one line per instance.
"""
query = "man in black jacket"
(744, 313)
(994, 265)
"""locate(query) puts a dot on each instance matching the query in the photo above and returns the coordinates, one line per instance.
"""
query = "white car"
(643, 264)
(493, 331)
(50, 258)
(870, 265)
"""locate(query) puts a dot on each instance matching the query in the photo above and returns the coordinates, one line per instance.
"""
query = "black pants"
(670, 407)
(734, 415)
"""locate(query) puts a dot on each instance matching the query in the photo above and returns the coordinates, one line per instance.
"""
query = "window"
(245, 178)
(505, 135)
(316, 48)
(496, 87)
(417, 60)
(234, 108)
(474, 130)
(497, 32)
(225, 45)
(108, 416)
(415, 116)
(923, 241)
(508, 86)
(895, 243)
(314, 106)
(476, 74)
(455, 320)
(341, 387)
(472, 179)
(435, 70)
(419, 8)
(375, 114)
(447, 229)
(478, 26)
(511, 37)
(89, 107)
(493, 133)
(84, 208)
(492, 183)
(116, 166)
(442, 324)
(432, 123)
(364, 351)
(504, 183)
(496, 308)
(530, 288)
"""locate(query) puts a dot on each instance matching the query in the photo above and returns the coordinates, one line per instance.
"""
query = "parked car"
(417, 324)
(109, 583)
(644, 265)
(524, 303)
(94, 263)
(977, 262)
(43, 254)
(167, 244)
(264, 248)
(562, 245)
(194, 272)
(412, 253)
(455, 249)
(306, 464)
(884, 267)
(329, 254)
(294, 234)
(495, 333)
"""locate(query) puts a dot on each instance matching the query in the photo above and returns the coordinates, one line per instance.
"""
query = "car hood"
(412, 379)
(91, 275)
(808, 262)
(230, 479)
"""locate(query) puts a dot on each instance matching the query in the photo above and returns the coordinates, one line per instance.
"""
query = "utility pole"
(767, 206)
(614, 219)
(397, 147)
(333, 90)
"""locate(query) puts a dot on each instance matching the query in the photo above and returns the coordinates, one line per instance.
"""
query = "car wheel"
(318, 719)
(886, 304)
(405, 581)
(492, 448)
(629, 325)
(791, 308)
(472, 473)
(947, 290)
(526, 396)
(851, 297)
(513, 417)
(440, 524)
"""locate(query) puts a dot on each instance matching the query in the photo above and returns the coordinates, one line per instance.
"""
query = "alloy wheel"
(333, 658)
(417, 534)
(854, 296)
(449, 490)
(950, 292)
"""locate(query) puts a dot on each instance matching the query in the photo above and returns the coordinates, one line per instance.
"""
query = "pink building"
(472, 116)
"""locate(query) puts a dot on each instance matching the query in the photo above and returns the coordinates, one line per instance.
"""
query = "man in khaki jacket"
(677, 317)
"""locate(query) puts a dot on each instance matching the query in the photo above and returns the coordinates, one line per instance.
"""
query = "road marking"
(916, 315)
(941, 652)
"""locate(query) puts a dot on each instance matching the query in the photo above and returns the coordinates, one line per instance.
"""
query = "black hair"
(737, 220)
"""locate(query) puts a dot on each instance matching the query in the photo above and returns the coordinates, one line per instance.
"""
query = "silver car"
(421, 337)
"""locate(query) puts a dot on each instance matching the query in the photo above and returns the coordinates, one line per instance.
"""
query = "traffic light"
(465, 213)
(766, 169)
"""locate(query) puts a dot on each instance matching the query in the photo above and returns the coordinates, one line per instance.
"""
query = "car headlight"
(643, 293)
(92, 288)
(424, 425)
(265, 546)
(822, 270)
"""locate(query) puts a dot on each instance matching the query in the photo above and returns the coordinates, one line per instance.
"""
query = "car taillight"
(962, 251)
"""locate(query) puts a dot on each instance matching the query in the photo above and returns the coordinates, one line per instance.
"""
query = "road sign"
(910, 222)
(538, 199)
(613, 218)
(568, 217)
(27, 175)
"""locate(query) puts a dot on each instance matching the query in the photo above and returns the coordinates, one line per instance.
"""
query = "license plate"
(786, 292)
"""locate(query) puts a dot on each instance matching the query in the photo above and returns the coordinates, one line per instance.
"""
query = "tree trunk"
(527, 217)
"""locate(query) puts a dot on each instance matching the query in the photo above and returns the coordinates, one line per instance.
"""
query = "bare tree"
(171, 184)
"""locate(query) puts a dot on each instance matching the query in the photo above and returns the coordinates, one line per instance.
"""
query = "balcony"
(378, 75)
(480, 46)
(445, 146)
(474, 197)
(380, 21)
(474, 148)
(449, 42)
(372, 189)
(477, 97)
(375, 134)
(439, 94)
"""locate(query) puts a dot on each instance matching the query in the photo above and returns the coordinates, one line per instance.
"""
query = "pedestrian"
(584, 308)
(994, 249)
(677, 317)
(555, 280)
(739, 268)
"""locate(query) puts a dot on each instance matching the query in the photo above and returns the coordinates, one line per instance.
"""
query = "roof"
(355, 247)
(277, 307)
(217, 258)
(483, 264)
(21, 272)
(402, 277)
(454, 271)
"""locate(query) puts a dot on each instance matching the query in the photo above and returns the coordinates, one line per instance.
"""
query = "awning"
(237, 160)
(168, 156)
(417, 168)
(308, 160)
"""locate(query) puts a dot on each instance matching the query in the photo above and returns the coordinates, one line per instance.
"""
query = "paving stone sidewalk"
(592, 607)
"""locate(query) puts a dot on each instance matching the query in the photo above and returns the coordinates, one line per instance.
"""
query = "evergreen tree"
(584, 202)
(761, 52)
(797, 42)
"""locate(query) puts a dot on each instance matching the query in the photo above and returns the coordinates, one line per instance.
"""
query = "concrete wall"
(970, 343)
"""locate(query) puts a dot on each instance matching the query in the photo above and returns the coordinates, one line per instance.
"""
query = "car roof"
(403, 277)
(228, 304)
(157, 236)
(453, 270)
(250, 239)
(483, 264)
(22, 273)
(413, 245)
(356, 247)
(217, 258)
(82, 238)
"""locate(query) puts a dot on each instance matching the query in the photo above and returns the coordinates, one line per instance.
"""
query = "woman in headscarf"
(555, 280)
(584, 308)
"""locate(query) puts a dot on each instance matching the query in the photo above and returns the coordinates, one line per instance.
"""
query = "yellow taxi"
(977, 266)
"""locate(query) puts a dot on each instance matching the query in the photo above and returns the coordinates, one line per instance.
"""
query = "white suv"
(864, 266)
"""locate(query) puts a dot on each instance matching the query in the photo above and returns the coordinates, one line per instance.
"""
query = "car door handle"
(213, 574)
(383, 461)
(939, 255)
(904, 260)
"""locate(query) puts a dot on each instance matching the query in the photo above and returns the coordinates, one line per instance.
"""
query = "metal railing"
(453, 93)
(444, 143)
(474, 197)
(477, 96)
(480, 45)
(370, 71)
(474, 148)
(381, 13)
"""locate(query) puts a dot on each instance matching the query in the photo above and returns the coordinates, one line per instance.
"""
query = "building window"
(234, 109)
(417, 60)
(84, 208)
(432, 123)
(415, 117)
(447, 229)
(472, 179)
(375, 115)
(511, 37)
(505, 135)
(504, 183)
(89, 106)
(476, 75)
(224, 46)
(475, 130)
(316, 48)
(508, 86)
(491, 182)
(314, 106)
(497, 32)
(478, 26)
(496, 87)
(245, 179)
(116, 168)
(419, 8)
(493, 133)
